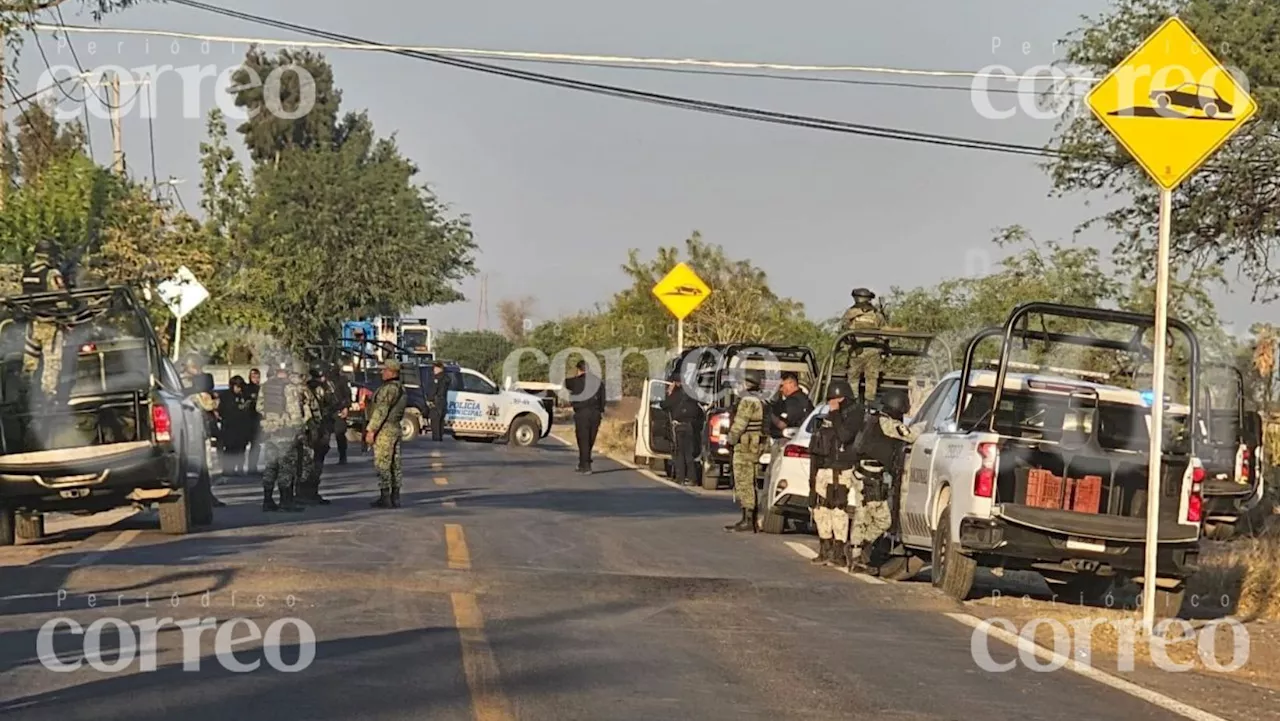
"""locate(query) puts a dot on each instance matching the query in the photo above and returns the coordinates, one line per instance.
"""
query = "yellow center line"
(488, 703)
(436, 465)
(456, 543)
(435, 454)
(450, 504)
(441, 481)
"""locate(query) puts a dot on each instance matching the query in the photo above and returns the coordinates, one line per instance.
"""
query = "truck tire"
(410, 427)
(8, 526)
(525, 431)
(769, 522)
(29, 527)
(710, 475)
(175, 514)
(1219, 531)
(952, 571)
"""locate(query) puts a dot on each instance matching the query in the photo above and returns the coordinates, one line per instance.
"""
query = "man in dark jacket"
(833, 454)
(586, 392)
(439, 402)
(787, 410)
(254, 431)
(686, 421)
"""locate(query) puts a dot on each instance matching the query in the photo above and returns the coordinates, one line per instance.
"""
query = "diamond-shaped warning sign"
(681, 291)
(1171, 104)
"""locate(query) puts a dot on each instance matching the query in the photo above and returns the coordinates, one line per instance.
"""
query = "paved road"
(508, 587)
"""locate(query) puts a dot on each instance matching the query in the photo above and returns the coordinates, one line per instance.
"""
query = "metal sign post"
(1171, 104)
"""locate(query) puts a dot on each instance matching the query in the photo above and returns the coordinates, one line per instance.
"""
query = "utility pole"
(4, 132)
(117, 143)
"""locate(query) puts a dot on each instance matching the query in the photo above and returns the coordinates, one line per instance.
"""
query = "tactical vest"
(273, 397)
(755, 426)
(874, 444)
(35, 278)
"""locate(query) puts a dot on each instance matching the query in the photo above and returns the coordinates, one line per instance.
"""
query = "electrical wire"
(62, 25)
(25, 104)
(151, 138)
(722, 109)
(558, 58)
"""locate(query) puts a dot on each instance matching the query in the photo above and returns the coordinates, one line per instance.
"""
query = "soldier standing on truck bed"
(43, 343)
(746, 435)
(283, 419)
(864, 316)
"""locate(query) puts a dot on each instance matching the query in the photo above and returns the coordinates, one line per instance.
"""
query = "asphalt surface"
(507, 587)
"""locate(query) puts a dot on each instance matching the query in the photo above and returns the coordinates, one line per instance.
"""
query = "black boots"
(268, 502)
(744, 524)
(395, 498)
(824, 552)
(384, 499)
(839, 558)
(288, 501)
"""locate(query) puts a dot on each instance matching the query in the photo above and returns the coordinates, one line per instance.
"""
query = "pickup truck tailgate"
(1095, 525)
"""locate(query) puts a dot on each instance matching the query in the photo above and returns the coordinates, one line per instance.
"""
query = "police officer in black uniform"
(686, 422)
(439, 403)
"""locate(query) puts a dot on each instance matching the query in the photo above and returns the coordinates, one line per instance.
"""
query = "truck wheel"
(710, 475)
(524, 431)
(952, 571)
(29, 527)
(8, 526)
(770, 522)
(410, 427)
(175, 514)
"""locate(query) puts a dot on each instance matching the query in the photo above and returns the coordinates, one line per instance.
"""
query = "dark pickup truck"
(119, 431)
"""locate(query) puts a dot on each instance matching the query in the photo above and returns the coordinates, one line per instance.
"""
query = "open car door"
(661, 438)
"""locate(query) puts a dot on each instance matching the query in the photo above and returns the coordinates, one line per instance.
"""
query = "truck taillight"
(794, 451)
(160, 424)
(1195, 501)
(984, 481)
(1244, 463)
(718, 427)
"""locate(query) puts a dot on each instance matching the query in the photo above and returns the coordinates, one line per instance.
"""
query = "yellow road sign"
(681, 291)
(1171, 104)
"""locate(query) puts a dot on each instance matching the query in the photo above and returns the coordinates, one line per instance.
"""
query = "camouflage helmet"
(895, 405)
(45, 247)
(751, 379)
(863, 293)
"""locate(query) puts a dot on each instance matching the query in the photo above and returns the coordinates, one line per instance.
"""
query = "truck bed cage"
(885, 339)
(1018, 326)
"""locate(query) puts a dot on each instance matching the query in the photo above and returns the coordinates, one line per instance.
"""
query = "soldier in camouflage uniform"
(746, 435)
(864, 316)
(879, 451)
(383, 433)
(43, 346)
(322, 403)
(284, 419)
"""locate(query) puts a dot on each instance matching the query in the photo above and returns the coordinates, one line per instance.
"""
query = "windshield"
(414, 338)
(1074, 420)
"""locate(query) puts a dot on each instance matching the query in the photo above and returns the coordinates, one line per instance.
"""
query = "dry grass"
(1246, 570)
(617, 435)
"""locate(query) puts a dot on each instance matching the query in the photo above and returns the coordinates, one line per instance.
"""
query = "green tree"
(481, 350)
(42, 141)
(301, 81)
(1221, 214)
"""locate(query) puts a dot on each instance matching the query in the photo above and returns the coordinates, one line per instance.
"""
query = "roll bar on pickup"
(1018, 326)
(912, 345)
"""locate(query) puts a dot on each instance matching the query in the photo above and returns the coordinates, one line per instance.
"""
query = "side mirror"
(789, 433)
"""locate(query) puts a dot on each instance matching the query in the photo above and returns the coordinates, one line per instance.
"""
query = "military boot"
(289, 502)
(395, 497)
(268, 502)
(745, 524)
(384, 499)
(734, 526)
(824, 552)
(839, 554)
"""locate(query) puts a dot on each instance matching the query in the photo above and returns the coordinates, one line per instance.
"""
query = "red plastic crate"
(1044, 489)
(1085, 494)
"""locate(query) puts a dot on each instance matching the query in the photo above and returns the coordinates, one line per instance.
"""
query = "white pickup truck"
(1054, 480)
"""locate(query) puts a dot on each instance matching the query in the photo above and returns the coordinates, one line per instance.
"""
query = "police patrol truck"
(481, 411)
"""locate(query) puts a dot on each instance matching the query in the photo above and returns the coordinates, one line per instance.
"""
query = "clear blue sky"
(560, 184)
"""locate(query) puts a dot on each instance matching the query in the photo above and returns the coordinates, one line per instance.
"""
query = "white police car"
(481, 411)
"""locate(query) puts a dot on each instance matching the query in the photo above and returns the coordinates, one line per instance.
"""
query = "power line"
(151, 138)
(722, 109)
(557, 58)
(62, 24)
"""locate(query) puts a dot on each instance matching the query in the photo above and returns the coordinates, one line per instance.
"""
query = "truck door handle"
(928, 451)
